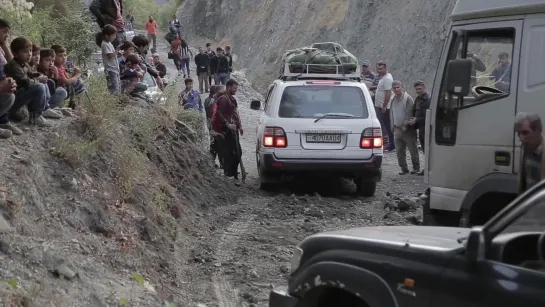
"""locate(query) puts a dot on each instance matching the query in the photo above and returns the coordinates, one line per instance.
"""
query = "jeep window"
(315, 101)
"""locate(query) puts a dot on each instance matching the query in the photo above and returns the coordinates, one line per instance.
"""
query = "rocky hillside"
(409, 35)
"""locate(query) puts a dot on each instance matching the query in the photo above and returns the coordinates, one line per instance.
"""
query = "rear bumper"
(371, 166)
(279, 297)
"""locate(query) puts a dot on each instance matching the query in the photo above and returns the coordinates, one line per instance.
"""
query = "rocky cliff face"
(408, 34)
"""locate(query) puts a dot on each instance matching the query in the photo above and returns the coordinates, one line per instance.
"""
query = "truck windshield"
(315, 101)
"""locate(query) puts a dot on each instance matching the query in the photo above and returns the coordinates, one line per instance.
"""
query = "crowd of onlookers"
(211, 66)
(34, 82)
(403, 118)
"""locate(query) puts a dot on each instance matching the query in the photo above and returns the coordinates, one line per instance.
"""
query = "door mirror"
(475, 245)
(255, 105)
(459, 77)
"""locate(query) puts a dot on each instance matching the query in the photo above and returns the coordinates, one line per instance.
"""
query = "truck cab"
(473, 153)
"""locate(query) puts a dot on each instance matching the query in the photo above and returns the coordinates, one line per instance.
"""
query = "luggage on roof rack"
(321, 60)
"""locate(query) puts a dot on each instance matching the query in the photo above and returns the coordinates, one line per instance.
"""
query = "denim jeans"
(185, 66)
(59, 95)
(6, 102)
(34, 97)
(220, 78)
(384, 119)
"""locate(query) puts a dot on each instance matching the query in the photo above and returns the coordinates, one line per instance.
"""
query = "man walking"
(176, 24)
(151, 28)
(202, 61)
(213, 62)
(404, 134)
(383, 95)
(227, 122)
(532, 164)
(421, 105)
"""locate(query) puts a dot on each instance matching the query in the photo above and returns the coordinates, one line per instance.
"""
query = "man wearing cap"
(367, 74)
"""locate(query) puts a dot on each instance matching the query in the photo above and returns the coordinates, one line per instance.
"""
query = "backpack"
(223, 64)
(209, 104)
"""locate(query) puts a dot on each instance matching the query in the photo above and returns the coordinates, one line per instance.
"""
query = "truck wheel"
(366, 188)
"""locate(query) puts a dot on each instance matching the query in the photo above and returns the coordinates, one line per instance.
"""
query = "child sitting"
(29, 91)
(46, 68)
(131, 73)
(129, 48)
(73, 83)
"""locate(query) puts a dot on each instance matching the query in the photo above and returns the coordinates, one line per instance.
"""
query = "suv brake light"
(275, 137)
(371, 138)
(324, 82)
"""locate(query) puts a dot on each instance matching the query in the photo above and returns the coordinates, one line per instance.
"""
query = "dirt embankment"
(409, 35)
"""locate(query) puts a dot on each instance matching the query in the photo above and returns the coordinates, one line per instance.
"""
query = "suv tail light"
(371, 138)
(275, 137)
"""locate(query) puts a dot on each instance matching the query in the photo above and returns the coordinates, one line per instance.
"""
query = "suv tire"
(366, 188)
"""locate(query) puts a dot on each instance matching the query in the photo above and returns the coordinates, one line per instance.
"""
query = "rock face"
(408, 34)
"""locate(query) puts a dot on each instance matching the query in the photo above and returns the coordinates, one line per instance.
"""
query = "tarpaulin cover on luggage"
(321, 54)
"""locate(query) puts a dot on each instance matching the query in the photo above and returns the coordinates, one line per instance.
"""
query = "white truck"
(472, 152)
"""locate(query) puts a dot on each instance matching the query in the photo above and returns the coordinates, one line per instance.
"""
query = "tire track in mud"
(226, 295)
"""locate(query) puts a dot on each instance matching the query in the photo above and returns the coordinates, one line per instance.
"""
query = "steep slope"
(409, 35)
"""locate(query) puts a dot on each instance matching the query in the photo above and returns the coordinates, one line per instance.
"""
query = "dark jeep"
(499, 264)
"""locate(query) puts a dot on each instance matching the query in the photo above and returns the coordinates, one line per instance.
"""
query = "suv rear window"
(315, 101)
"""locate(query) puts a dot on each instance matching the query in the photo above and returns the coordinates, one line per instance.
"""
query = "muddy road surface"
(250, 244)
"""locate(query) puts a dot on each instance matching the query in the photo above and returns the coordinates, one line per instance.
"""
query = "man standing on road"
(227, 122)
(202, 61)
(532, 161)
(213, 62)
(367, 75)
(229, 56)
(383, 95)
(151, 28)
(421, 105)
(222, 68)
(402, 110)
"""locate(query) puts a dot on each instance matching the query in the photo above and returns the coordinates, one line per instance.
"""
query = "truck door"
(531, 88)
(473, 136)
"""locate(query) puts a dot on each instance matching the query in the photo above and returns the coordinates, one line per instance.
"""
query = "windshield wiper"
(334, 115)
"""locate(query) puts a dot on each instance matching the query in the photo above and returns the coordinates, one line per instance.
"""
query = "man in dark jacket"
(142, 45)
(212, 55)
(110, 12)
(202, 61)
(222, 68)
(227, 122)
(159, 66)
(421, 104)
(229, 56)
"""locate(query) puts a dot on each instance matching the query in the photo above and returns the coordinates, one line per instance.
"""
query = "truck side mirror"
(458, 77)
(255, 105)
(475, 245)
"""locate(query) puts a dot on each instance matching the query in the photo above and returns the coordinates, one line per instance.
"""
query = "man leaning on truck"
(532, 163)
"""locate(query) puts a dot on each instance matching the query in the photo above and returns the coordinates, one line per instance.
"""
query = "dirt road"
(251, 241)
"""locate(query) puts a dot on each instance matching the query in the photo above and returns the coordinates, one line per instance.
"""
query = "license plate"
(323, 138)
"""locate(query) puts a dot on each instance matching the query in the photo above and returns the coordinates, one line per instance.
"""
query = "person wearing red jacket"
(226, 122)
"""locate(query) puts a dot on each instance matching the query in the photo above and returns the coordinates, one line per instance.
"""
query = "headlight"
(296, 259)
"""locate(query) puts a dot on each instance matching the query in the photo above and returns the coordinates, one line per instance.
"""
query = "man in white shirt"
(383, 94)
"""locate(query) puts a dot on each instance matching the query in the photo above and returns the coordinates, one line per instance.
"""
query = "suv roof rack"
(299, 71)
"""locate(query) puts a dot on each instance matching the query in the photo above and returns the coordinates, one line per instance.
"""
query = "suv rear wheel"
(365, 188)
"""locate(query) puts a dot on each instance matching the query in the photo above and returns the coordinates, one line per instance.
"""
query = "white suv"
(319, 124)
